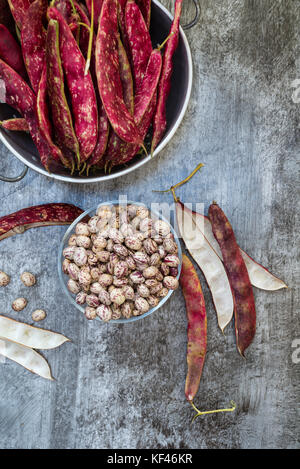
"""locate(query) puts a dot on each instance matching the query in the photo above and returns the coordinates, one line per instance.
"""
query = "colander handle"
(197, 16)
(16, 178)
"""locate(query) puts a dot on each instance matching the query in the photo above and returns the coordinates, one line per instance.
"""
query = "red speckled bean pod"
(61, 114)
(10, 52)
(197, 326)
(82, 92)
(39, 215)
(18, 9)
(44, 122)
(145, 7)
(139, 41)
(97, 10)
(33, 38)
(245, 314)
(15, 124)
(109, 83)
(160, 120)
(20, 96)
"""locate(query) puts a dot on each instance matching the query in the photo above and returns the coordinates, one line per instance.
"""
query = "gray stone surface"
(122, 386)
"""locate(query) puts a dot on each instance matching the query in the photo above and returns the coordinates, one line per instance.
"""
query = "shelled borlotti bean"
(121, 263)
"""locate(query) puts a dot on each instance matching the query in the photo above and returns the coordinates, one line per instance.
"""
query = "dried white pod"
(143, 291)
(105, 280)
(38, 315)
(73, 271)
(72, 240)
(73, 286)
(83, 241)
(121, 269)
(80, 298)
(117, 296)
(28, 279)
(82, 229)
(92, 224)
(171, 283)
(172, 260)
(4, 279)
(84, 277)
(90, 313)
(150, 272)
(127, 309)
(141, 305)
(92, 300)
(133, 242)
(150, 246)
(80, 256)
(68, 252)
(19, 304)
(128, 292)
(162, 228)
(137, 277)
(120, 250)
(104, 312)
(103, 256)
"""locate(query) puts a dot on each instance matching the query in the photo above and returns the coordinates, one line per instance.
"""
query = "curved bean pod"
(15, 124)
(82, 92)
(244, 310)
(10, 52)
(18, 9)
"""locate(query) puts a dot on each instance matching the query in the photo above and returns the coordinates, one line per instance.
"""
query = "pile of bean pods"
(86, 80)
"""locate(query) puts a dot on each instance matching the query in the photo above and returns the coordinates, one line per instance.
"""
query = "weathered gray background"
(123, 386)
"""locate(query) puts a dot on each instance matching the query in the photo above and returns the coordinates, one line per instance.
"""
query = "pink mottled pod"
(104, 313)
(80, 256)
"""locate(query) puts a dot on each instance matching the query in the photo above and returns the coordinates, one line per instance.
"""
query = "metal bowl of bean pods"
(85, 217)
(21, 145)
